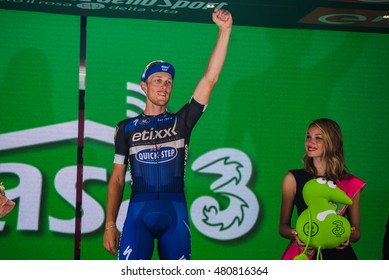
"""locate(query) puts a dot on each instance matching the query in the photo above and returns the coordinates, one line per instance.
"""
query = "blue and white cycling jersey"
(156, 148)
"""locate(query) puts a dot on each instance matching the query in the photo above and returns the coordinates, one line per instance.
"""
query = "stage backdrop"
(274, 83)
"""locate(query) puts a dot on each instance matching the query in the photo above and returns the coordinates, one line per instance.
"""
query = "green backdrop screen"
(274, 83)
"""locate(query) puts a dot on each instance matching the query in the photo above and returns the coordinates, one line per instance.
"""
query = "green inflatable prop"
(320, 226)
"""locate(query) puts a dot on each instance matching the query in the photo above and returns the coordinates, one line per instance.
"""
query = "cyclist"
(155, 146)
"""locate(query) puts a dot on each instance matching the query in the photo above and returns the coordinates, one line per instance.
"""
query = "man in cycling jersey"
(155, 146)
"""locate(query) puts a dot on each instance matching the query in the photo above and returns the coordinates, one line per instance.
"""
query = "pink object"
(293, 250)
(6, 205)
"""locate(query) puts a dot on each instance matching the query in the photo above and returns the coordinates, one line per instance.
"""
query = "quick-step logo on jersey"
(158, 154)
(240, 216)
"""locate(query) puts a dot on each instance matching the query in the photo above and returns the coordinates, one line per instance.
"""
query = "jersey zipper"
(156, 156)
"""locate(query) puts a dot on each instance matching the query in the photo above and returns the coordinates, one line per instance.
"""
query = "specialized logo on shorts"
(160, 154)
(242, 212)
(127, 252)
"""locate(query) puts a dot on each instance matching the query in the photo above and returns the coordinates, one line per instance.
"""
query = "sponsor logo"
(161, 154)
(127, 252)
(339, 229)
(141, 5)
(165, 68)
(347, 17)
(144, 121)
(154, 134)
(90, 6)
(312, 228)
(240, 216)
(29, 192)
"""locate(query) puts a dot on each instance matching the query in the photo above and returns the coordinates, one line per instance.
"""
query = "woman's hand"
(300, 243)
(346, 243)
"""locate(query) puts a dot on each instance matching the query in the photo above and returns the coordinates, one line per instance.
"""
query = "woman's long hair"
(333, 151)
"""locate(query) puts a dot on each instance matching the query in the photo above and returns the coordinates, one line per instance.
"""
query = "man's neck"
(154, 110)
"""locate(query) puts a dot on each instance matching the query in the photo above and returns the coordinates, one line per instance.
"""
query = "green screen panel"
(275, 81)
(39, 92)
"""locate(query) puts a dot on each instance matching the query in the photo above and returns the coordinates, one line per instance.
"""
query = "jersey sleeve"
(191, 112)
(121, 146)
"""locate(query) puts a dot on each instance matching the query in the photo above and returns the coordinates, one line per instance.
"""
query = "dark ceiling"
(340, 15)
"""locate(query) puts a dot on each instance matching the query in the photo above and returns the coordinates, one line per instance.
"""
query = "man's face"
(158, 88)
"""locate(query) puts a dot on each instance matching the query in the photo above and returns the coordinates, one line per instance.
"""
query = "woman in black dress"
(324, 157)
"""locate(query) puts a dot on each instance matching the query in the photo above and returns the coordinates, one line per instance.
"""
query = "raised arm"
(202, 93)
